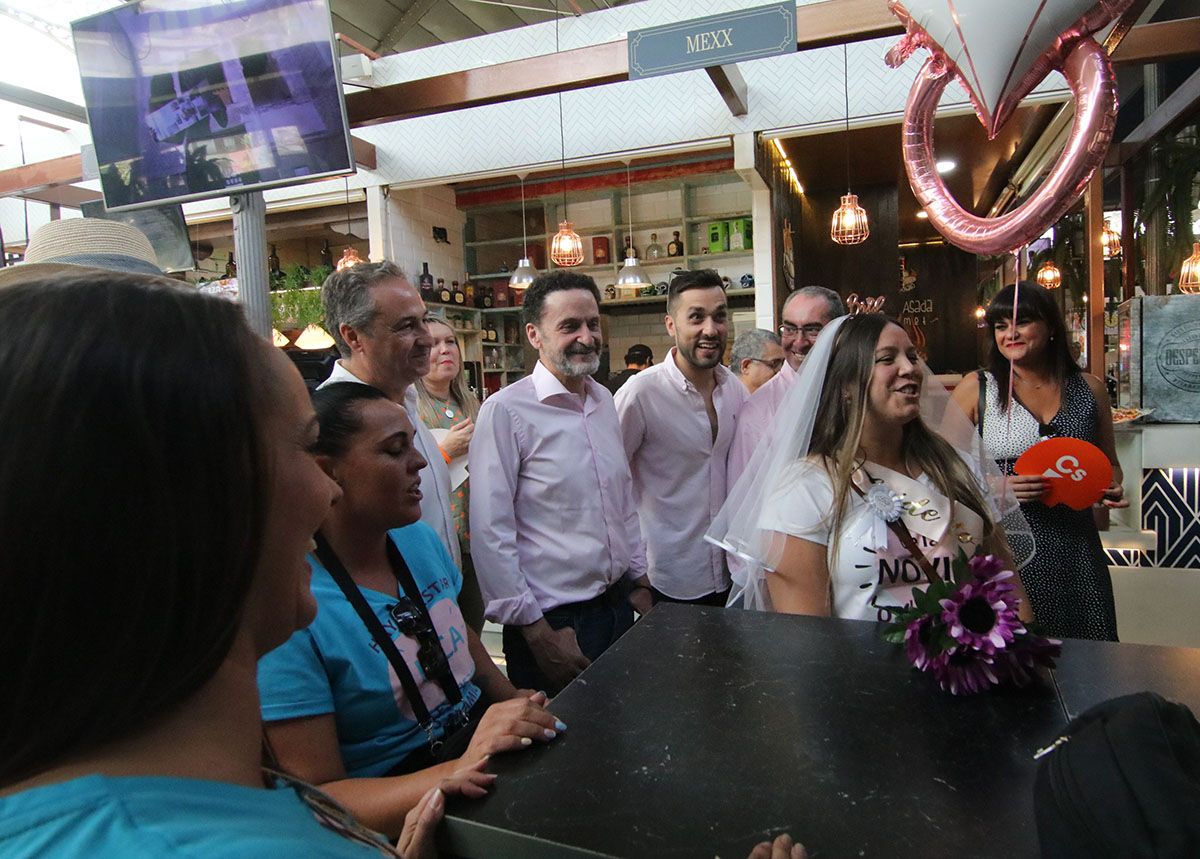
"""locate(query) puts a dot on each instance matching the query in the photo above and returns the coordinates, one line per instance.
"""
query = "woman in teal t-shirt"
(339, 711)
(158, 494)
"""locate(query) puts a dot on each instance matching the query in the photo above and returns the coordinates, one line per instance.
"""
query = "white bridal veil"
(737, 527)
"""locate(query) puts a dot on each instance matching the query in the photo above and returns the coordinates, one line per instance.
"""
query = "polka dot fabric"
(1067, 580)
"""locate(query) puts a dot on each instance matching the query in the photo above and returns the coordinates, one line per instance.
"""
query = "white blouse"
(872, 570)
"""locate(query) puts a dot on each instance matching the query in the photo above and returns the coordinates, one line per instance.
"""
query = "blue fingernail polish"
(559, 725)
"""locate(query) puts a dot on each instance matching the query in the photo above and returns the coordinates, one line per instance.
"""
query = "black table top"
(705, 731)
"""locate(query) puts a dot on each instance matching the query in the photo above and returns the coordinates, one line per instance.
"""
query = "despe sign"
(731, 37)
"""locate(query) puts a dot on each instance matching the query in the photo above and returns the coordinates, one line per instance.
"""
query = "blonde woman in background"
(445, 401)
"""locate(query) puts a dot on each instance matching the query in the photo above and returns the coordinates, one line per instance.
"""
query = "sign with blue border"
(731, 37)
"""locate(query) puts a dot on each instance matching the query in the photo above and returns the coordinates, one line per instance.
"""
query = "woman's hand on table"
(511, 725)
(1028, 487)
(783, 847)
(416, 838)
(458, 439)
(1114, 496)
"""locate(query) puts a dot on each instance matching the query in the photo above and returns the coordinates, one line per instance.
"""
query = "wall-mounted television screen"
(189, 99)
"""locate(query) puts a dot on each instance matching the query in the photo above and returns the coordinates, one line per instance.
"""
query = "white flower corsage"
(884, 502)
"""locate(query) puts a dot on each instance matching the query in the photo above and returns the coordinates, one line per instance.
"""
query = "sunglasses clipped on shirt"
(413, 623)
(810, 331)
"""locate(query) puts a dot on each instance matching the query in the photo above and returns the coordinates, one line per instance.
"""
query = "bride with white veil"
(869, 459)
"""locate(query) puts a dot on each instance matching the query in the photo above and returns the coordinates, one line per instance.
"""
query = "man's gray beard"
(571, 370)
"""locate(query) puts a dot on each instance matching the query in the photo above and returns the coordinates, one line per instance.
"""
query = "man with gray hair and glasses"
(756, 357)
(805, 312)
(377, 320)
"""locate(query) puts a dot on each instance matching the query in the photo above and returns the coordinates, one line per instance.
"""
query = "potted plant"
(296, 304)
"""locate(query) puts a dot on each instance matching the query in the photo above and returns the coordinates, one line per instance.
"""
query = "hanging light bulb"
(980, 314)
(314, 338)
(1049, 275)
(350, 258)
(1110, 240)
(850, 225)
(1189, 272)
(566, 248)
(525, 273)
(631, 277)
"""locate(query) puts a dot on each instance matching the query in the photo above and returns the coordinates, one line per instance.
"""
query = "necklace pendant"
(449, 412)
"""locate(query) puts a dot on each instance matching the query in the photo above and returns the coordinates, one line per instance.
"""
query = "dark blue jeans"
(597, 622)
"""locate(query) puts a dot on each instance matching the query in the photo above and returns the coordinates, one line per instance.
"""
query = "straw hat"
(95, 243)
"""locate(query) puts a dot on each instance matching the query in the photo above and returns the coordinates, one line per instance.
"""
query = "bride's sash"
(924, 511)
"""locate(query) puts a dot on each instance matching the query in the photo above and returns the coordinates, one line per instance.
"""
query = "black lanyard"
(430, 653)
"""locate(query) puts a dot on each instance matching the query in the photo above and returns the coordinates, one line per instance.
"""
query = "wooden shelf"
(724, 255)
(720, 216)
(662, 299)
(516, 240)
(643, 226)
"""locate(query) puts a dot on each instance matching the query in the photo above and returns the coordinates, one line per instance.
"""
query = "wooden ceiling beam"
(1157, 43)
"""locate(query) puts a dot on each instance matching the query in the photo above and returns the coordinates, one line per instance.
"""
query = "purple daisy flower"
(985, 566)
(982, 614)
(963, 671)
(1027, 653)
(918, 642)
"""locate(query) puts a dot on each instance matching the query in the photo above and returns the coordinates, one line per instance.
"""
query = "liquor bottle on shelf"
(489, 332)
(600, 250)
(231, 267)
(425, 283)
(456, 293)
(326, 255)
(486, 297)
(443, 292)
(273, 262)
(654, 250)
(471, 290)
(675, 246)
(630, 249)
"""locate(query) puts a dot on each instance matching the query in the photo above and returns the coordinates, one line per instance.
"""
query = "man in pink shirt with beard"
(677, 421)
(554, 528)
(805, 312)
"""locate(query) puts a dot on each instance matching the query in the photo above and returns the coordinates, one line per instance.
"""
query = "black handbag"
(1122, 781)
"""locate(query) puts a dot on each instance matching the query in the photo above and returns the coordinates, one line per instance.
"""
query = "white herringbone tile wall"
(798, 91)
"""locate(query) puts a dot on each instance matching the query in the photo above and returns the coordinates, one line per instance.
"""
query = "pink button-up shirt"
(553, 519)
(755, 420)
(679, 472)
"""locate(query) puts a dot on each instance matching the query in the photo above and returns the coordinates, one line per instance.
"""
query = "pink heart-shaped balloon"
(999, 49)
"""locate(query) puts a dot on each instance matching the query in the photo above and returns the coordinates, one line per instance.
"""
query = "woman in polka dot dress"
(1068, 579)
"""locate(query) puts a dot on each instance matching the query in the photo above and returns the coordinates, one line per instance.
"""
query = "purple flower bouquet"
(966, 632)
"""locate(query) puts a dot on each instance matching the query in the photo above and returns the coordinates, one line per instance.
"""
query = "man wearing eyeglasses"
(757, 356)
(805, 312)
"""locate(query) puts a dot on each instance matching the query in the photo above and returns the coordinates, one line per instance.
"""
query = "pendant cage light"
(1189, 272)
(350, 257)
(1049, 275)
(566, 248)
(1110, 241)
(850, 225)
(632, 278)
(525, 273)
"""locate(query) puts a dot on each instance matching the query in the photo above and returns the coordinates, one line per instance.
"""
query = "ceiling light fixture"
(1189, 272)
(525, 272)
(945, 166)
(350, 257)
(850, 225)
(1049, 275)
(566, 248)
(1110, 241)
(631, 277)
